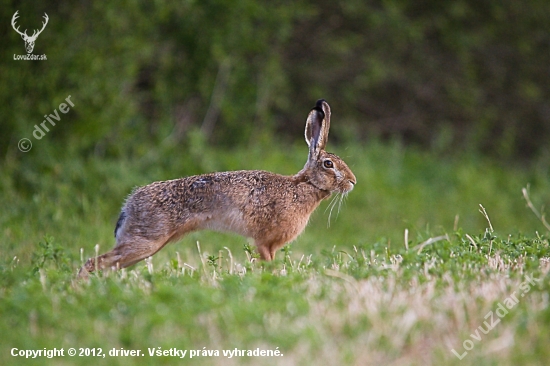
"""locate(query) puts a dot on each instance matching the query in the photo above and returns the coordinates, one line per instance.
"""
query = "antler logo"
(29, 40)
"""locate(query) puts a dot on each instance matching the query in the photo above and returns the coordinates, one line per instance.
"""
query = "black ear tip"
(319, 108)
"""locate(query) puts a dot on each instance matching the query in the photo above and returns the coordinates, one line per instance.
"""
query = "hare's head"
(326, 171)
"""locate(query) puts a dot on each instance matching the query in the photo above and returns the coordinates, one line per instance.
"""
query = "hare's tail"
(120, 223)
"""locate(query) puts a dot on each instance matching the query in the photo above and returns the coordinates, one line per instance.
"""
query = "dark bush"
(460, 75)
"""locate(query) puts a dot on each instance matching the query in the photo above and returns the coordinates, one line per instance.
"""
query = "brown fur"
(270, 208)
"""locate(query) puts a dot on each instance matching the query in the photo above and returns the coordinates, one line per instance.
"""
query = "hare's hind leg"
(126, 253)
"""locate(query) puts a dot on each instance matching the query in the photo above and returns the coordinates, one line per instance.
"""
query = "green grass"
(351, 293)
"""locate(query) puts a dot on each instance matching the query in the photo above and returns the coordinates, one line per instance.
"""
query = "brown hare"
(270, 208)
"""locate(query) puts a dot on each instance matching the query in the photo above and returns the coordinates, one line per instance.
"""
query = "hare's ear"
(317, 126)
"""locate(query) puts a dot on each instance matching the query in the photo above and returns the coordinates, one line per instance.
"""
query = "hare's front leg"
(267, 249)
(124, 254)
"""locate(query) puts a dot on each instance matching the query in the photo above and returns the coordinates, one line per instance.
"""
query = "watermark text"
(25, 144)
(492, 318)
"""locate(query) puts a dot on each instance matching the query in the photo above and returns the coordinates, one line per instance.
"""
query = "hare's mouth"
(347, 186)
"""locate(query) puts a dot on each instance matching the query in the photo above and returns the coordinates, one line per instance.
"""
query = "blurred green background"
(437, 107)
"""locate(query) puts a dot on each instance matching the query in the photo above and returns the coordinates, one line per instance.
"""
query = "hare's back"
(213, 192)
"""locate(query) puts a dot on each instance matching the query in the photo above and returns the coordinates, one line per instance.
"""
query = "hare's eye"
(328, 164)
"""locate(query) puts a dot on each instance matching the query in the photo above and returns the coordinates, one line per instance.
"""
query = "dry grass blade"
(431, 241)
(540, 216)
(484, 213)
(471, 240)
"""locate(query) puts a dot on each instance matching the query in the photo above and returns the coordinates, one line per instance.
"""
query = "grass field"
(409, 272)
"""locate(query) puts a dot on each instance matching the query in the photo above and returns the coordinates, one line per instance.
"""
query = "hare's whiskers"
(331, 206)
(340, 200)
